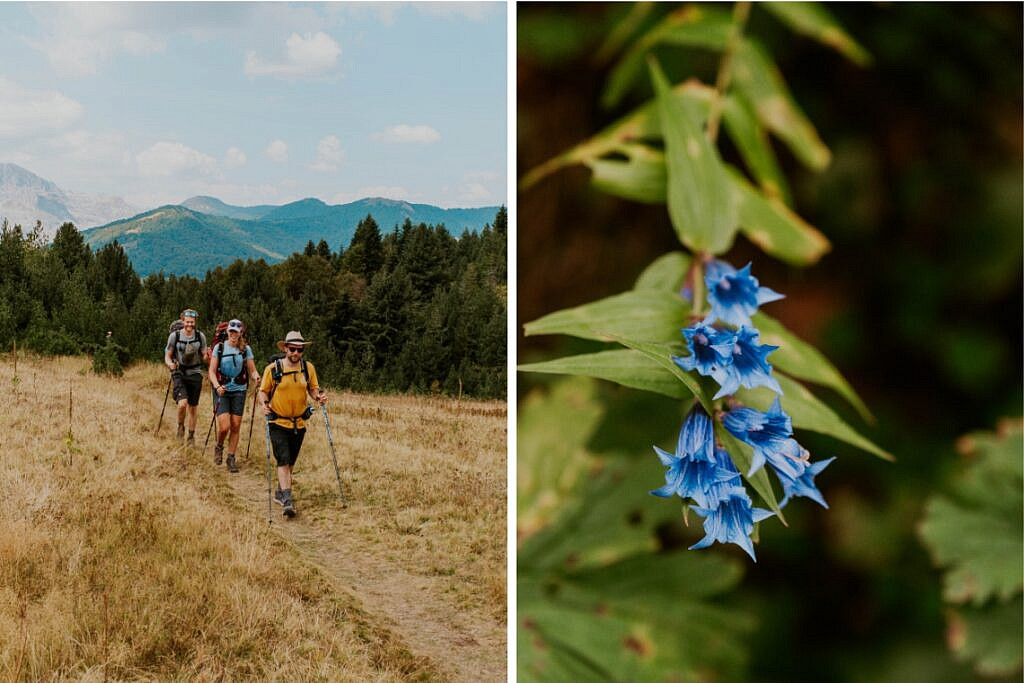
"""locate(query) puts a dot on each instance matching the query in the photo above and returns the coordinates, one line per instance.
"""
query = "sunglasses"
(189, 314)
(294, 349)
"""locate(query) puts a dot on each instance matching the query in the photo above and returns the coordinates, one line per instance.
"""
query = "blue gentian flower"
(734, 295)
(692, 470)
(803, 485)
(731, 522)
(769, 433)
(710, 352)
(750, 367)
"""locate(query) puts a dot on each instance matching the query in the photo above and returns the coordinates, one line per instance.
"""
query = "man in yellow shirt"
(287, 384)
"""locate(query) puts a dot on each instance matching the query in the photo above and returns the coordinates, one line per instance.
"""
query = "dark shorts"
(231, 402)
(187, 386)
(286, 443)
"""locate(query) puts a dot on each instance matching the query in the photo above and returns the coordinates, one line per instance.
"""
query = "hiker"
(184, 355)
(231, 369)
(287, 382)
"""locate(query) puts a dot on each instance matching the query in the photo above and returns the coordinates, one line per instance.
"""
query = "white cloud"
(84, 145)
(234, 158)
(406, 133)
(78, 38)
(328, 154)
(385, 191)
(480, 175)
(313, 54)
(169, 158)
(277, 151)
(25, 112)
(472, 194)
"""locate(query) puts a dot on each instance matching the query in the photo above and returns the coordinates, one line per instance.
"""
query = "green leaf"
(990, 637)
(701, 201)
(641, 315)
(690, 26)
(975, 535)
(662, 353)
(813, 20)
(808, 412)
(761, 82)
(801, 360)
(551, 458)
(640, 177)
(771, 225)
(615, 620)
(667, 273)
(743, 455)
(623, 366)
(751, 139)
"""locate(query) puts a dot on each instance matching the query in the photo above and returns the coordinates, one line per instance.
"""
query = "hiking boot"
(191, 441)
(279, 497)
(218, 454)
(232, 466)
(181, 431)
(289, 508)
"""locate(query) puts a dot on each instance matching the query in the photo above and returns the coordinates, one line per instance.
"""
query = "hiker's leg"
(284, 477)
(182, 405)
(236, 429)
(224, 421)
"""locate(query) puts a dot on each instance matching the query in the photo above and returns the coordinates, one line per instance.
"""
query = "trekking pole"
(252, 419)
(166, 394)
(216, 402)
(267, 439)
(337, 473)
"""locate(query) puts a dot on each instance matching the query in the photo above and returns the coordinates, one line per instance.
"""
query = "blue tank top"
(231, 364)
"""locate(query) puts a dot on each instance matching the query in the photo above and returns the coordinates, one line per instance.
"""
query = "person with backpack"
(185, 355)
(231, 369)
(287, 384)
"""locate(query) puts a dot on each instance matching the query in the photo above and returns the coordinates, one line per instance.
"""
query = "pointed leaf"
(642, 315)
(808, 412)
(801, 360)
(666, 273)
(690, 26)
(662, 354)
(640, 177)
(751, 139)
(701, 201)
(742, 455)
(760, 81)
(771, 225)
(623, 366)
(813, 20)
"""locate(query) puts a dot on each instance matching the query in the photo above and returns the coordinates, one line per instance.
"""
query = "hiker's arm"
(264, 402)
(254, 375)
(168, 361)
(214, 366)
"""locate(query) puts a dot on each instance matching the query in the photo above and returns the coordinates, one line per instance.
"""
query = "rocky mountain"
(186, 240)
(26, 198)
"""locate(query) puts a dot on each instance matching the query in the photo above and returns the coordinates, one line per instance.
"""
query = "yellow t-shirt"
(291, 396)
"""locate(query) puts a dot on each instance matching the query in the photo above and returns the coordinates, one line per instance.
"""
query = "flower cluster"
(724, 346)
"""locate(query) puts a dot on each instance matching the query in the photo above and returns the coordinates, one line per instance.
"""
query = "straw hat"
(293, 338)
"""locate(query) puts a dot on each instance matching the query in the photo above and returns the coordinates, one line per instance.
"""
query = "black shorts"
(231, 402)
(286, 443)
(187, 386)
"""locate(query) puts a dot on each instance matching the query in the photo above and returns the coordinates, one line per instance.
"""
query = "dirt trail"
(467, 647)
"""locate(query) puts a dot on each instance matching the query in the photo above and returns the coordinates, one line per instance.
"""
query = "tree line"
(410, 310)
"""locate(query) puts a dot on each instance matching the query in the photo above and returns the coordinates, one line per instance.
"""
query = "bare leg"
(182, 405)
(193, 411)
(236, 428)
(284, 477)
(225, 421)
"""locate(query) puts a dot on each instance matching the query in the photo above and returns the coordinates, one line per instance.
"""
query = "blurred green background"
(919, 303)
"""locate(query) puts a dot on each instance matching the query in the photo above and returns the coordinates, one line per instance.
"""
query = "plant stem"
(696, 277)
(740, 13)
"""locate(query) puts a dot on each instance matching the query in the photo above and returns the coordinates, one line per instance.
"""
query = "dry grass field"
(125, 556)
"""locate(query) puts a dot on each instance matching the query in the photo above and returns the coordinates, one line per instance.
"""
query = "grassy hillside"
(189, 241)
(124, 555)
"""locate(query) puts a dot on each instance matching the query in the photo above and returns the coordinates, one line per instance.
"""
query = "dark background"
(918, 304)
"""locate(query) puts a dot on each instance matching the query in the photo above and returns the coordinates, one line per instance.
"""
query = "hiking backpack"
(221, 338)
(277, 373)
(176, 327)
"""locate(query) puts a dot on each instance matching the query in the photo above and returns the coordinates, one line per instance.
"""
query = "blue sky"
(258, 103)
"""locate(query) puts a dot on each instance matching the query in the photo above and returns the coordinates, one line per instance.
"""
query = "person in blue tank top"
(231, 369)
